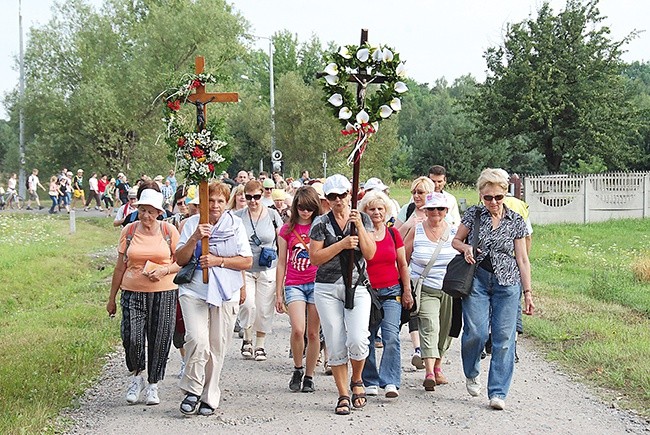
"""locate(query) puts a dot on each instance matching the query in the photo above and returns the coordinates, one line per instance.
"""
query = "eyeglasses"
(418, 192)
(334, 196)
(437, 208)
(181, 203)
(489, 198)
(253, 197)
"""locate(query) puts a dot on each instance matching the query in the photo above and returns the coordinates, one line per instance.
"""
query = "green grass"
(54, 330)
(592, 315)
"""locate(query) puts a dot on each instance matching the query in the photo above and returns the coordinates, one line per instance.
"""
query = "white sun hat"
(151, 197)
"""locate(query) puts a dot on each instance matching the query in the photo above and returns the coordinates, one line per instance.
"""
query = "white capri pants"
(259, 308)
(346, 331)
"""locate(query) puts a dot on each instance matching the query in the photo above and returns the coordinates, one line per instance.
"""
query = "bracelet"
(223, 262)
(528, 291)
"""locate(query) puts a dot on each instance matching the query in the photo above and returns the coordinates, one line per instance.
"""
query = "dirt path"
(256, 399)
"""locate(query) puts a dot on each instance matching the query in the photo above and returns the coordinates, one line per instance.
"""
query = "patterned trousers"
(148, 318)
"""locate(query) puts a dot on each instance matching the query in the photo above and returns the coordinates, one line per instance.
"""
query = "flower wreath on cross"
(199, 155)
(363, 119)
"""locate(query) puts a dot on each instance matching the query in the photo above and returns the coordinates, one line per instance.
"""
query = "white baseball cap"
(375, 183)
(336, 183)
(435, 199)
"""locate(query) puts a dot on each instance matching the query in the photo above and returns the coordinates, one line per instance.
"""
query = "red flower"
(211, 167)
(198, 152)
(174, 105)
(181, 141)
(196, 84)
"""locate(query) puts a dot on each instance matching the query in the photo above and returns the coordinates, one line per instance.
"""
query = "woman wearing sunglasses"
(435, 306)
(294, 286)
(256, 314)
(343, 305)
(493, 303)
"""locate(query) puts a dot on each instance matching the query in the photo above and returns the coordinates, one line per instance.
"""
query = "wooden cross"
(362, 80)
(201, 99)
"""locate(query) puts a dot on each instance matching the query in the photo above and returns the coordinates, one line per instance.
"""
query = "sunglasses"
(489, 198)
(334, 196)
(437, 208)
(253, 197)
(181, 203)
(418, 192)
(268, 188)
(302, 208)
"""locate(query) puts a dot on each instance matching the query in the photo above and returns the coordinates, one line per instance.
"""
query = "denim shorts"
(299, 292)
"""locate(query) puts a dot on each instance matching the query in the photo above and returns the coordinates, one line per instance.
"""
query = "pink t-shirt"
(382, 269)
(299, 267)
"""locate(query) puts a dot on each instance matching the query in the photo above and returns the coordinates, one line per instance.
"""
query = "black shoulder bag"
(457, 282)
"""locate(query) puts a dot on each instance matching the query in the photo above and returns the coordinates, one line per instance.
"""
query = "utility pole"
(21, 114)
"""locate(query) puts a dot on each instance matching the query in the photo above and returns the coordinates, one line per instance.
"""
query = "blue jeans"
(490, 306)
(390, 368)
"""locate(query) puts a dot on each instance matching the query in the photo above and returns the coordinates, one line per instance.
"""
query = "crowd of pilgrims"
(288, 246)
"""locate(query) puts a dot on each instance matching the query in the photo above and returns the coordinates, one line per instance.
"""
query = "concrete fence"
(587, 198)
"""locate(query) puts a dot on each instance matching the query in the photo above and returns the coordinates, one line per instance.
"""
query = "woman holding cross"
(343, 305)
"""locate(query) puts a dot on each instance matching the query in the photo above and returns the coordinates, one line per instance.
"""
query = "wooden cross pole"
(362, 80)
(201, 99)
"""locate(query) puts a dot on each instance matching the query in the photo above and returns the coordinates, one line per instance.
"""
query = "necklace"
(436, 232)
(380, 233)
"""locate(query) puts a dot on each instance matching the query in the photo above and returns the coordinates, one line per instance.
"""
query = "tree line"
(557, 97)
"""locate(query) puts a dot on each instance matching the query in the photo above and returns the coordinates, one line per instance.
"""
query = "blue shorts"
(299, 292)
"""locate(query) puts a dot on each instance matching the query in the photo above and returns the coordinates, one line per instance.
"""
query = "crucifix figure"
(362, 79)
(200, 99)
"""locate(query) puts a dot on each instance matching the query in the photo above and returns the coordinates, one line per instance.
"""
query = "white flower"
(332, 69)
(388, 55)
(385, 111)
(362, 117)
(349, 127)
(377, 55)
(345, 113)
(363, 54)
(332, 80)
(344, 52)
(400, 87)
(396, 104)
(375, 126)
(401, 70)
(335, 100)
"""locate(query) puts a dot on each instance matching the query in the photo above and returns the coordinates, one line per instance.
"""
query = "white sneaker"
(496, 403)
(391, 391)
(135, 389)
(473, 386)
(372, 390)
(416, 360)
(152, 395)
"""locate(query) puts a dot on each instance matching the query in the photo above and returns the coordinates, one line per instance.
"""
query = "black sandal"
(205, 409)
(343, 406)
(190, 404)
(359, 400)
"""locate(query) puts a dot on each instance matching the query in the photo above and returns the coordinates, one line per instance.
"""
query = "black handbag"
(184, 276)
(458, 279)
(376, 309)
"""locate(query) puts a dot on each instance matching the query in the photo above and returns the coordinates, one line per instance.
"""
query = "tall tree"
(555, 85)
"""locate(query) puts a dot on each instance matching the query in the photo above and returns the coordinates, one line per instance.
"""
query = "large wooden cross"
(201, 99)
(362, 80)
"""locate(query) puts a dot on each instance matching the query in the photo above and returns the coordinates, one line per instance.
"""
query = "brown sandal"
(359, 400)
(343, 406)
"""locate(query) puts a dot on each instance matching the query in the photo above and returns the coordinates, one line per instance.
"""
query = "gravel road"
(256, 399)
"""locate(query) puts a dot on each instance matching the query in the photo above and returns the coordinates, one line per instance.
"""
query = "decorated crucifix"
(196, 152)
(363, 65)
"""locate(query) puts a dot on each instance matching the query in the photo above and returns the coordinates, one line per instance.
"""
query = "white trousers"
(259, 308)
(208, 332)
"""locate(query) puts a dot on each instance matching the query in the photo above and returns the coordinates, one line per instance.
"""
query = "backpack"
(410, 209)
(131, 232)
(27, 182)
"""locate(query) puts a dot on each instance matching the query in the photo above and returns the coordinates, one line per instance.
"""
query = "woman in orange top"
(144, 272)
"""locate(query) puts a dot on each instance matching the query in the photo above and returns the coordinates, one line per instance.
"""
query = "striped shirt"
(423, 250)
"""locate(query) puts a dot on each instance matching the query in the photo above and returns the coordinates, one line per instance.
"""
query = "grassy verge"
(593, 315)
(53, 328)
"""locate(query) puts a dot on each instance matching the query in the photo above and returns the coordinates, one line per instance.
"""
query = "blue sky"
(436, 38)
